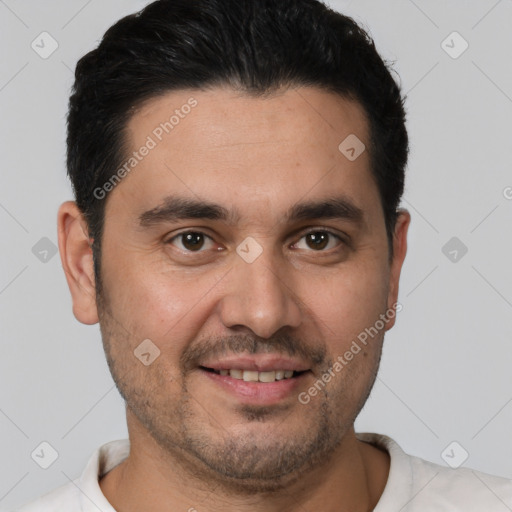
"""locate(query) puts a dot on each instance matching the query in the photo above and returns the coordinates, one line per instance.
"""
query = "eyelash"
(316, 230)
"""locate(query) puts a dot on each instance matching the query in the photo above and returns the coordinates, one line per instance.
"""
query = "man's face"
(191, 282)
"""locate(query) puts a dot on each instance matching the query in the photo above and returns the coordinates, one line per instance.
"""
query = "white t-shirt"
(414, 485)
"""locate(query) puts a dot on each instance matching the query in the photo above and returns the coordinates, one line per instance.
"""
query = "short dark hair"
(255, 46)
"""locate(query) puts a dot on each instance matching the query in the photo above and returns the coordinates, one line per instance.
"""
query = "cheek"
(168, 307)
(350, 301)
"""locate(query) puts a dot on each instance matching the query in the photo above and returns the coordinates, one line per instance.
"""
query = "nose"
(258, 297)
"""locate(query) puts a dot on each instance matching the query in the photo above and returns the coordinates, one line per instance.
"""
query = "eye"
(191, 241)
(319, 240)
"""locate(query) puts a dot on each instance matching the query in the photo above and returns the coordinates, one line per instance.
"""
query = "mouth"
(262, 379)
(254, 375)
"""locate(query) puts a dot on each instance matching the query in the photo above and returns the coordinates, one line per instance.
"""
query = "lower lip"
(266, 393)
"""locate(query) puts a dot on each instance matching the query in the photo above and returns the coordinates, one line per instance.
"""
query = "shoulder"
(465, 488)
(84, 494)
(62, 498)
(415, 484)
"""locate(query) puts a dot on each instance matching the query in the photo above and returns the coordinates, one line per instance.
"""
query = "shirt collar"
(105, 458)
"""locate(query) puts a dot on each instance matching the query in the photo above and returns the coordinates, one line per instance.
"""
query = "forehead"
(233, 148)
(222, 116)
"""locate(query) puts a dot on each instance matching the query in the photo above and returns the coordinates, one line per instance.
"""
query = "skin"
(194, 444)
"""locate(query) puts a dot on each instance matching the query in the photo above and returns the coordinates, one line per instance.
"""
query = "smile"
(256, 376)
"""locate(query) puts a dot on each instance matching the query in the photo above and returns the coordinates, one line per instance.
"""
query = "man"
(238, 167)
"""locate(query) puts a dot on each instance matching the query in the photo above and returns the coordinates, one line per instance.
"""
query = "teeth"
(267, 376)
(236, 374)
(250, 376)
(254, 376)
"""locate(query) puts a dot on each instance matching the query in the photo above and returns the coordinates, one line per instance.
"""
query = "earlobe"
(77, 262)
(399, 251)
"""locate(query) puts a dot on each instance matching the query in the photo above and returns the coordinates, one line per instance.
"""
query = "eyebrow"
(175, 208)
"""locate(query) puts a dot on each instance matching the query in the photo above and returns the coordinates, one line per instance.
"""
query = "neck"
(353, 479)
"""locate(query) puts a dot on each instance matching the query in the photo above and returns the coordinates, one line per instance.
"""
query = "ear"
(399, 251)
(77, 262)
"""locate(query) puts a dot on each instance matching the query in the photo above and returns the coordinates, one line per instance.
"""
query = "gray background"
(446, 368)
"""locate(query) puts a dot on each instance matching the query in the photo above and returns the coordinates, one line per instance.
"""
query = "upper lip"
(258, 363)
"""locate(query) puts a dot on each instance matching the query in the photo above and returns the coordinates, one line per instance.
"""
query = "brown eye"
(191, 241)
(319, 240)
